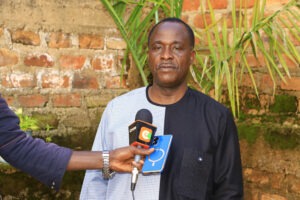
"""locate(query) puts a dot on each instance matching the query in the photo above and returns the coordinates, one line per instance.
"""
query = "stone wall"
(60, 61)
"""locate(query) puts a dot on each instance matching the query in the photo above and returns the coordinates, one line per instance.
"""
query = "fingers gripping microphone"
(141, 133)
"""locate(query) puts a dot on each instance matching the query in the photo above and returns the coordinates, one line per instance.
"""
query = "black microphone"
(141, 134)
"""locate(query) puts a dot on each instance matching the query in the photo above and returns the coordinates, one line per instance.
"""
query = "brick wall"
(60, 61)
(191, 14)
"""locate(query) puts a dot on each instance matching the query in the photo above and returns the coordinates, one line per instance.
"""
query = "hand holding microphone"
(121, 158)
(141, 133)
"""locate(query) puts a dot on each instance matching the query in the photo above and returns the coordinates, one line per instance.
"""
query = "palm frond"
(265, 37)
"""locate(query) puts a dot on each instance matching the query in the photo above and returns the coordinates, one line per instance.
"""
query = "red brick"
(295, 185)
(8, 57)
(290, 63)
(4, 77)
(185, 18)
(85, 81)
(55, 81)
(253, 61)
(19, 80)
(202, 41)
(246, 81)
(10, 100)
(255, 176)
(294, 40)
(35, 100)
(199, 21)
(120, 60)
(26, 37)
(244, 3)
(67, 100)
(266, 83)
(198, 41)
(5, 81)
(115, 82)
(41, 60)
(292, 84)
(72, 62)
(190, 5)
(276, 2)
(103, 62)
(229, 19)
(89, 41)
(264, 103)
(59, 40)
(285, 19)
(272, 197)
(115, 43)
(217, 4)
(277, 181)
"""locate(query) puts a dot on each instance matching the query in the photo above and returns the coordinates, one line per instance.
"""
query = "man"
(48, 162)
(204, 159)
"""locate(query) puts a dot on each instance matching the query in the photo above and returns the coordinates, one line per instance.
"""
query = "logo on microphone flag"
(145, 134)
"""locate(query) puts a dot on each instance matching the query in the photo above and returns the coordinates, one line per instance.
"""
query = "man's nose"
(166, 53)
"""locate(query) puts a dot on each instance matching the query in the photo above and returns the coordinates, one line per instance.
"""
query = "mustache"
(166, 64)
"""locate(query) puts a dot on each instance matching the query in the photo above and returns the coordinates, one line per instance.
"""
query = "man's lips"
(166, 66)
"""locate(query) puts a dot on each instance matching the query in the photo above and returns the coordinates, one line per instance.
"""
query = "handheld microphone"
(141, 133)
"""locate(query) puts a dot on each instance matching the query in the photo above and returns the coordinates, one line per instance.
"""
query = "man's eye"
(177, 48)
(156, 47)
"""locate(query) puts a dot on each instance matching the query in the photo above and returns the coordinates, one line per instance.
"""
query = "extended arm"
(121, 159)
(47, 162)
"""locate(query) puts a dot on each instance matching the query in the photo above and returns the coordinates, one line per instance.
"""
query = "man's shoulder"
(135, 94)
(206, 99)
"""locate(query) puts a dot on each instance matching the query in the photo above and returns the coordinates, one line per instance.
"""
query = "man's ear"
(192, 57)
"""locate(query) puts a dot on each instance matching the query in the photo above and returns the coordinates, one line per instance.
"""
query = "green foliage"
(224, 66)
(27, 123)
(48, 128)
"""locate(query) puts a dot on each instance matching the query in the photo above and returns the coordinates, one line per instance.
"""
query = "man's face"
(170, 54)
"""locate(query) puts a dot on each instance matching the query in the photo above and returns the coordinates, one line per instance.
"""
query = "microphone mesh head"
(144, 115)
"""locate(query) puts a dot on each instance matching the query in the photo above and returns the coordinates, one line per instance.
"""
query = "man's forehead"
(166, 42)
(165, 26)
(169, 31)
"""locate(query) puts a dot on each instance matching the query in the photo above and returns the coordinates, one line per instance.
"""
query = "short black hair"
(175, 20)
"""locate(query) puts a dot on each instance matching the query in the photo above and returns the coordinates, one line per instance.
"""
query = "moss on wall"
(277, 137)
(18, 185)
(248, 132)
(46, 120)
(252, 102)
(284, 104)
(282, 138)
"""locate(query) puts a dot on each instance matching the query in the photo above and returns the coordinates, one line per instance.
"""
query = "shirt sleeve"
(228, 168)
(46, 162)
